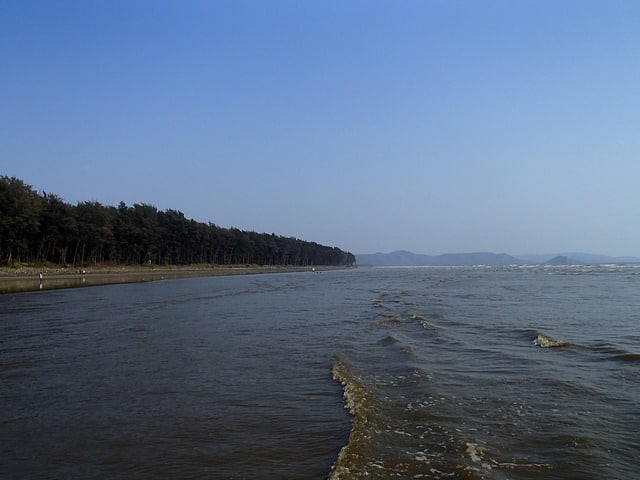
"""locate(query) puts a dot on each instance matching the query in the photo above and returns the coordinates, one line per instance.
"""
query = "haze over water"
(469, 372)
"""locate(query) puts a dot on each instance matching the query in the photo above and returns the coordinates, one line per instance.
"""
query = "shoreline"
(26, 278)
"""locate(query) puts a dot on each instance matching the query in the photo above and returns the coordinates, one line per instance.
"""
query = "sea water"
(468, 373)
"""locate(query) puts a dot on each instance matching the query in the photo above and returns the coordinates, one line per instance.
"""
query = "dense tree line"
(43, 228)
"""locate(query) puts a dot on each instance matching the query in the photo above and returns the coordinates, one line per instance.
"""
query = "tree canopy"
(38, 227)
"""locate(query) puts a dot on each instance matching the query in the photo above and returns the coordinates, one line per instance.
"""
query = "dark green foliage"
(20, 213)
(43, 228)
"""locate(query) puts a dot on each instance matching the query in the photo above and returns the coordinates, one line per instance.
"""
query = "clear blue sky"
(431, 126)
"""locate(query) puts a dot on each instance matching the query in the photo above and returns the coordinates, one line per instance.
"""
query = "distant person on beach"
(40, 276)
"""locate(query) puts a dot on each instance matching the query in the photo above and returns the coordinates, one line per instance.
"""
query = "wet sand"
(24, 279)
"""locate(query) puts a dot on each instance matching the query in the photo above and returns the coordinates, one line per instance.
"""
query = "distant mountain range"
(403, 258)
(578, 257)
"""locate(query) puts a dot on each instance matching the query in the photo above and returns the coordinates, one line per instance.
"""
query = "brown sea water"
(496, 373)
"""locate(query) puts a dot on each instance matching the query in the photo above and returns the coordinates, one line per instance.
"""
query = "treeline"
(43, 228)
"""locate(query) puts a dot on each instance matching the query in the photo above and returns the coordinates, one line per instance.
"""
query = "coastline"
(26, 278)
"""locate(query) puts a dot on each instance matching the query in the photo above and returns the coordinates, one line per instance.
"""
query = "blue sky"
(431, 126)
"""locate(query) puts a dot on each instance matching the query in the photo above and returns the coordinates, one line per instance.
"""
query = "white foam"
(545, 341)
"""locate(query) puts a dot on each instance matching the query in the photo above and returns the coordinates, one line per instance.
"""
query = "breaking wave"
(546, 341)
(610, 352)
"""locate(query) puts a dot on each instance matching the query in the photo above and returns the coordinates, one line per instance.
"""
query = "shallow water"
(519, 373)
(18, 284)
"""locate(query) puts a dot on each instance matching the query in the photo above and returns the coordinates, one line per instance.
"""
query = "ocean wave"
(389, 340)
(423, 323)
(374, 426)
(391, 316)
(400, 429)
(616, 352)
(628, 357)
(546, 341)
(608, 350)
(481, 460)
(356, 402)
(390, 438)
(390, 319)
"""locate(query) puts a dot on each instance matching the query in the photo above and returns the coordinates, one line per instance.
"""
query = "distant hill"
(402, 258)
(562, 260)
(577, 257)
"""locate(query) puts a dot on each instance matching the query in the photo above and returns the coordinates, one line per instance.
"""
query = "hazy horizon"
(376, 126)
(516, 255)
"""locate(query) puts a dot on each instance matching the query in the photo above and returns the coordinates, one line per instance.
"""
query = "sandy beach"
(27, 278)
